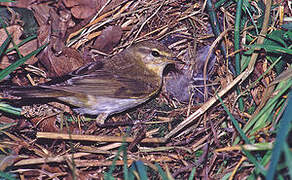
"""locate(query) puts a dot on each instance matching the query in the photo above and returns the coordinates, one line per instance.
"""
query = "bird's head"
(153, 55)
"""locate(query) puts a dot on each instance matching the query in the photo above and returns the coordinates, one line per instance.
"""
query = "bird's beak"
(174, 60)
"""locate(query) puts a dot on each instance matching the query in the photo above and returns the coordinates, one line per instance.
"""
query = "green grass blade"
(161, 172)
(125, 167)
(21, 43)
(9, 109)
(6, 176)
(251, 17)
(4, 45)
(235, 123)
(237, 47)
(141, 170)
(108, 175)
(276, 38)
(237, 36)
(19, 62)
(132, 171)
(282, 88)
(216, 30)
(226, 176)
(219, 3)
(282, 132)
(12, 41)
(288, 156)
(192, 175)
(272, 48)
(253, 160)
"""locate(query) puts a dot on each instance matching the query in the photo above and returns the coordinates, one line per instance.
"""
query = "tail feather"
(30, 92)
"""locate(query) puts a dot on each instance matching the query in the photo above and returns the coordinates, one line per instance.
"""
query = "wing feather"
(103, 83)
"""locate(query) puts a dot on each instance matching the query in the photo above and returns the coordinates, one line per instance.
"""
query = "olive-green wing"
(106, 84)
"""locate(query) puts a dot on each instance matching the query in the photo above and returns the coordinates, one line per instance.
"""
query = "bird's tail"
(17, 92)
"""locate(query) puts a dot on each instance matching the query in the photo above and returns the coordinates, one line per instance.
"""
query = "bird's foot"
(100, 119)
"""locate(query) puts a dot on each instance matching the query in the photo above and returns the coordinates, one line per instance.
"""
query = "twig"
(49, 135)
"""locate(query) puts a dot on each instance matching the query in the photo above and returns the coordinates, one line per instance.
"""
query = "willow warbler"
(123, 81)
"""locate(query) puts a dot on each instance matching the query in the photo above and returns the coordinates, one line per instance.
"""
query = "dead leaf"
(82, 9)
(58, 59)
(16, 32)
(41, 13)
(68, 61)
(7, 120)
(108, 39)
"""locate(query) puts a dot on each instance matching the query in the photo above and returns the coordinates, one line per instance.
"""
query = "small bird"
(122, 81)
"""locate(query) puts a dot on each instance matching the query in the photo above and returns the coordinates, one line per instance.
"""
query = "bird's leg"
(101, 118)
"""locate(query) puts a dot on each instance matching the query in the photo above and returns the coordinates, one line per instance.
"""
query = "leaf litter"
(50, 141)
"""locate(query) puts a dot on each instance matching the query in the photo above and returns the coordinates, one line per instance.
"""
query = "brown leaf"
(70, 3)
(41, 13)
(46, 124)
(108, 39)
(58, 59)
(82, 9)
(16, 32)
(7, 120)
(68, 61)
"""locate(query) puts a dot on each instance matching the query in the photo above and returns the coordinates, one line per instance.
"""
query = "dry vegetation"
(185, 129)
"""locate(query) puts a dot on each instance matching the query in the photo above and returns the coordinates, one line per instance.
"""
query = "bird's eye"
(155, 53)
